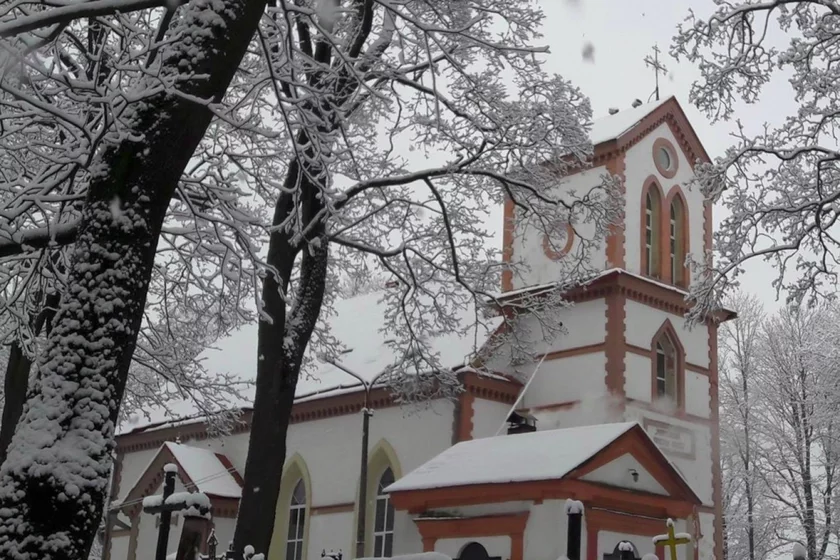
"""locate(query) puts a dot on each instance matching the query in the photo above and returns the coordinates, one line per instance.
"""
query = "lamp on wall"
(635, 474)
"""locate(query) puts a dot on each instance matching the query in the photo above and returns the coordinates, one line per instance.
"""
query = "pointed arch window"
(665, 369)
(653, 210)
(383, 527)
(677, 242)
(297, 523)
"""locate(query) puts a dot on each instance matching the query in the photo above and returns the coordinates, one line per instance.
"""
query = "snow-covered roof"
(201, 470)
(206, 470)
(541, 455)
(614, 126)
(356, 324)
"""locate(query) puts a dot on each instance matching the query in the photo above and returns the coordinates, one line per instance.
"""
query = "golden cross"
(671, 540)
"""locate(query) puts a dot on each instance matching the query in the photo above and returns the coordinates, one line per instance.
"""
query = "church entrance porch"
(576, 493)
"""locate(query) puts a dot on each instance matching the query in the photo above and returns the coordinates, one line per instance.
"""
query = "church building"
(613, 431)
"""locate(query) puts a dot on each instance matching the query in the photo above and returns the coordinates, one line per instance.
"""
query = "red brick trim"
(616, 249)
(553, 254)
(465, 416)
(576, 351)
(717, 479)
(513, 526)
(664, 144)
(615, 341)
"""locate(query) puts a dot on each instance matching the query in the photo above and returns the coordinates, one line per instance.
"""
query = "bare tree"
(781, 185)
(750, 518)
(795, 424)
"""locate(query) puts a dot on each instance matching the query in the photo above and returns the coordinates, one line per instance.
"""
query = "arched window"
(653, 208)
(475, 551)
(666, 368)
(383, 527)
(297, 523)
(677, 241)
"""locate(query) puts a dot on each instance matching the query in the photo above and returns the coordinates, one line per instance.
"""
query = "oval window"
(665, 159)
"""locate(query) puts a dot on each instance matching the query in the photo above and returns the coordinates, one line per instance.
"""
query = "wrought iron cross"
(653, 62)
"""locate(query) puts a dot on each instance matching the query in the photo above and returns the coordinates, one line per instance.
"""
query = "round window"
(664, 156)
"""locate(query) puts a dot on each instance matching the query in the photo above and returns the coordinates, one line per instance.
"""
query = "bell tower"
(628, 354)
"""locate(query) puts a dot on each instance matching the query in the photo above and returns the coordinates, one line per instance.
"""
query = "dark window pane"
(389, 544)
(377, 547)
(290, 551)
(379, 522)
(389, 522)
(300, 524)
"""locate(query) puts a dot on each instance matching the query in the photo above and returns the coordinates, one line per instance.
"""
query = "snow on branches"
(780, 186)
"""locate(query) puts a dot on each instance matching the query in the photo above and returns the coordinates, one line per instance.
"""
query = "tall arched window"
(297, 523)
(666, 368)
(383, 527)
(653, 208)
(677, 240)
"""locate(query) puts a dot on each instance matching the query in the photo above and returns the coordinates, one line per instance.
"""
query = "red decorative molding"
(466, 411)
(616, 315)
(616, 249)
(553, 254)
(513, 525)
(664, 144)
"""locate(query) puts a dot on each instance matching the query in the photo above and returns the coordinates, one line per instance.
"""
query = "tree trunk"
(54, 480)
(14, 394)
(281, 345)
(17, 377)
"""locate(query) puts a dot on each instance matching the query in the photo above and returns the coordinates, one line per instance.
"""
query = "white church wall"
(407, 539)
(619, 473)
(639, 166)
(528, 243)
(695, 466)
(637, 381)
(595, 409)
(546, 532)
(488, 416)
(567, 379)
(707, 541)
(697, 401)
(331, 532)
(496, 546)
(134, 464)
(644, 321)
(416, 434)
(119, 547)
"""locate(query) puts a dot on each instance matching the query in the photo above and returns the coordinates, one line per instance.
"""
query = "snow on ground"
(542, 455)
(355, 323)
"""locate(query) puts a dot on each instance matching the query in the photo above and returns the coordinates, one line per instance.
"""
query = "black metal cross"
(164, 506)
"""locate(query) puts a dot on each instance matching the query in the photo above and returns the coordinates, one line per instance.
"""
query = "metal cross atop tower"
(653, 62)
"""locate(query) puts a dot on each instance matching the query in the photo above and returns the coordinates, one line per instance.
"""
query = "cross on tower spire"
(653, 62)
